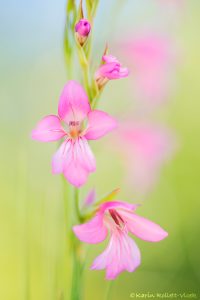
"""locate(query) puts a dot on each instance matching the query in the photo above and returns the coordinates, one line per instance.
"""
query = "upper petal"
(73, 104)
(111, 70)
(49, 129)
(109, 59)
(99, 124)
(121, 254)
(92, 232)
(143, 228)
(117, 205)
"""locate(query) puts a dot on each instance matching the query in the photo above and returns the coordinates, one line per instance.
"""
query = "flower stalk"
(77, 253)
(76, 124)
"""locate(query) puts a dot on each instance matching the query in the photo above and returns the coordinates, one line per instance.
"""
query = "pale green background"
(33, 265)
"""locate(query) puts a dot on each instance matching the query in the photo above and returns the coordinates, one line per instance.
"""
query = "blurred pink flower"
(146, 147)
(175, 4)
(74, 157)
(90, 198)
(152, 60)
(122, 253)
(109, 70)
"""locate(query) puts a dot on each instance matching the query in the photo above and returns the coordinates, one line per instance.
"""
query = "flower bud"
(82, 29)
(110, 69)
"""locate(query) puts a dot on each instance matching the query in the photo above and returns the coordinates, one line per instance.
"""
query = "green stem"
(76, 289)
(73, 246)
(108, 292)
(77, 209)
(85, 69)
(67, 225)
(69, 36)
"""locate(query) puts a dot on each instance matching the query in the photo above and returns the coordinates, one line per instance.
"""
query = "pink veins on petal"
(122, 253)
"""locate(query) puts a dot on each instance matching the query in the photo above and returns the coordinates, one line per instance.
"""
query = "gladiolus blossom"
(153, 60)
(122, 253)
(147, 148)
(74, 157)
(110, 69)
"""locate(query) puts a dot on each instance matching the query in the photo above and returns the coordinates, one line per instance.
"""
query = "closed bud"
(82, 29)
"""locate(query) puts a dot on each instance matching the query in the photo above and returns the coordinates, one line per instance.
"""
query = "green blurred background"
(34, 264)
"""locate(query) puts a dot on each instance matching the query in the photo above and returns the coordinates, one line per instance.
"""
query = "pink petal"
(110, 59)
(75, 174)
(143, 228)
(117, 205)
(99, 124)
(90, 198)
(73, 104)
(92, 232)
(124, 72)
(84, 154)
(121, 254)
(62, 157)
(80, 164)
(49, 129)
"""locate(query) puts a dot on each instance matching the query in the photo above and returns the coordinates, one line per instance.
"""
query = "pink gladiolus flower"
(147, 148)
(121, 253)
(152, 61)
(74, 157)
(109, 70)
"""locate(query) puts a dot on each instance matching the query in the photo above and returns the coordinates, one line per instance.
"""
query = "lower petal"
(121, 254)
(61, 157)
(75, 174)
(80, 164)
(92, 232)
(84, 155)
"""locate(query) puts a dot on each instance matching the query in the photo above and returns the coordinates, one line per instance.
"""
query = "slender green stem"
(76, 289)
(69, 36)
(73, 244)
(66, 199)
(85, 69)
(67, 225)
(95, 100)
(108, 291)
(77, 208)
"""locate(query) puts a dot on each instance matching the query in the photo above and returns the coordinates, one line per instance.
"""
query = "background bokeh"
(34, 265)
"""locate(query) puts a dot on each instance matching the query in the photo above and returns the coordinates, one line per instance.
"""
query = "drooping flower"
(110, 69)
(145, 147)
(77, 124)
(82, 29)
(122, 253)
